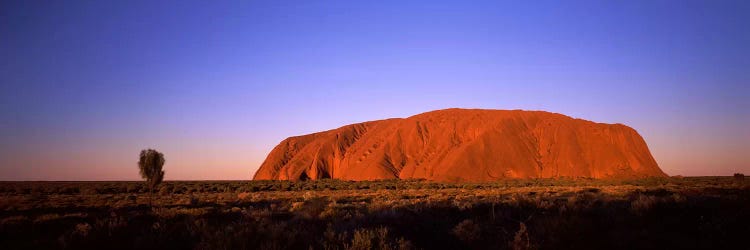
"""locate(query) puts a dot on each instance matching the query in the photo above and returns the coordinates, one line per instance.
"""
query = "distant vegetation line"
(182, 187)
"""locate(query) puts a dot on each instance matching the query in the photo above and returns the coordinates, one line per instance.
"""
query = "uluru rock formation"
(464, 145)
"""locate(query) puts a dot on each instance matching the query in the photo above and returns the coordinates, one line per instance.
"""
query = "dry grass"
(668, 213)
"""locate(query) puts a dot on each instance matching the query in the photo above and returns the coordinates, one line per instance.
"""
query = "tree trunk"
(150, 196)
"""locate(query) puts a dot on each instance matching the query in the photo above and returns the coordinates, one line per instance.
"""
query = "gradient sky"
(85, 85)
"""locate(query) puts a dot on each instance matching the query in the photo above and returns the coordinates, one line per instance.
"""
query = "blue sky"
(84, 85)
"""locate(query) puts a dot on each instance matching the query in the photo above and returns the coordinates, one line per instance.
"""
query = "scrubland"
(666, 213)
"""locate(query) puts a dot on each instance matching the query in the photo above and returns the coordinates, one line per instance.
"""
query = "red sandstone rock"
(464, 145)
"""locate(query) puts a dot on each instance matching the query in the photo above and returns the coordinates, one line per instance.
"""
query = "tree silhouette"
(150, 165)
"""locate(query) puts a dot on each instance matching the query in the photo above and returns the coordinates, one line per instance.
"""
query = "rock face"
(464, 145)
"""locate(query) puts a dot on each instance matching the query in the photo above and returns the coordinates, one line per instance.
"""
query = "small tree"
(150, 164)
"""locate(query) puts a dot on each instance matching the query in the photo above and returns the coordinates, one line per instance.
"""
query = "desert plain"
(562, 213)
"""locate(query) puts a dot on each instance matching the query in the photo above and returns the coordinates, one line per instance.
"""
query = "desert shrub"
(193, 201)
(739, 176)
(166, 189)
(169, 213)
(308, 195)
(330, 211)
(46, 217)
(18, 219)
(82, 229)
(296, 206)
(105, 189)
(365, 239)
(229, 189)
(676, 197)
(643, 203)
(467, 231)
(243, 195)
(593, 190)
(88, 190)
(310, 208)
(69, 190)
(75, 215)
(521, 238)
(133, 188)
(659, 192)
(332, 240)
(180, 190)
(76, 236)
(463, 203)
